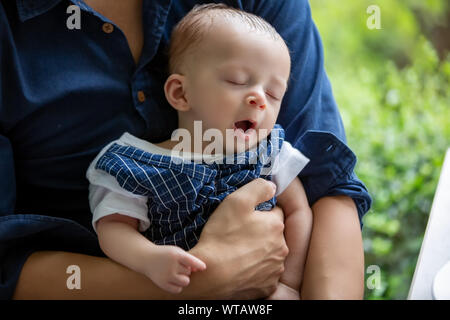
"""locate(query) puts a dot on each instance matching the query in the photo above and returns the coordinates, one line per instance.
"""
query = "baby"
(228, 69)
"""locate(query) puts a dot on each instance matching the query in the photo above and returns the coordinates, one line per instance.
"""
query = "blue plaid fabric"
(183, 194)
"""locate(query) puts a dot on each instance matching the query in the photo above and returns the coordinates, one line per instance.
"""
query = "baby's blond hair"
(189, 32)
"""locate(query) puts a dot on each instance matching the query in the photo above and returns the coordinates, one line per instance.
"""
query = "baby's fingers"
(172, 288)
(192, 262)
(180, 280)
(182, 269)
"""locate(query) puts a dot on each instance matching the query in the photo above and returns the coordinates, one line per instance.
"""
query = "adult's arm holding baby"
(335, 263)
(235, 236)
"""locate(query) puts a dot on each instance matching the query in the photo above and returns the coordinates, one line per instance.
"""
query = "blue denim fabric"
(64, 94)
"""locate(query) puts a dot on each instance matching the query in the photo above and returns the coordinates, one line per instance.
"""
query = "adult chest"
(69, 92)
(128, 16)
(81, 86)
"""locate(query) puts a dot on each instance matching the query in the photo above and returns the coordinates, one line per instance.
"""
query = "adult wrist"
(214, 282)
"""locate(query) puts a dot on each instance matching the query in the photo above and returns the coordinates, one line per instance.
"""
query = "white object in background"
(441, 283)
(435, 251)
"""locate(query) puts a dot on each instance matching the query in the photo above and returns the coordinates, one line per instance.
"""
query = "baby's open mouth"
(244, 129)
(244, 125)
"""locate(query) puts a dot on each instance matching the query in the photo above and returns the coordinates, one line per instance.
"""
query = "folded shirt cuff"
(330, 170)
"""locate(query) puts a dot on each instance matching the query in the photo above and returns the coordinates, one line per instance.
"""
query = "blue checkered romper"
(183, 194)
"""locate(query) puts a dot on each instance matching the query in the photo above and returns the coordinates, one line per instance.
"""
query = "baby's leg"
(297, 232)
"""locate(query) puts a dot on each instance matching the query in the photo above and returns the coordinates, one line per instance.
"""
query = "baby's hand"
(284, 292)
(171, 267)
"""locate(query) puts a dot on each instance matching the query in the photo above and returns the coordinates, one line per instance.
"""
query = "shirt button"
(141, 96)
(108, 27)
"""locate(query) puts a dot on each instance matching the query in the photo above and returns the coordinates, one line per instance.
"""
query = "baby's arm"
(169, 267)
(297, 232)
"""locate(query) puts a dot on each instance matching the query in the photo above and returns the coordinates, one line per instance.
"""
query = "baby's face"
(236, 80)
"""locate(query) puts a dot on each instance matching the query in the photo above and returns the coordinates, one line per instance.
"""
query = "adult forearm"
(244, 251)
(44, 277)
(335, 263)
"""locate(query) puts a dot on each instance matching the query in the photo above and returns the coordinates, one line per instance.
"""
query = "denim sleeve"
(7, 180)
(9, 261)
(11, 256)
(309, 112)
(330, 170)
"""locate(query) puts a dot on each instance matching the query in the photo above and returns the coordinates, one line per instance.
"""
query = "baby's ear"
(174, 88)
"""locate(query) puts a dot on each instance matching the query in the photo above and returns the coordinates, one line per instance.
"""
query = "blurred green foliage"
(392, 88)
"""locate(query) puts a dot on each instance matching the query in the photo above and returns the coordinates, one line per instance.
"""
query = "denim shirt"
(65, 93)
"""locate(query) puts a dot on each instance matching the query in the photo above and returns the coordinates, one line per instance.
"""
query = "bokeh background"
(392, 87)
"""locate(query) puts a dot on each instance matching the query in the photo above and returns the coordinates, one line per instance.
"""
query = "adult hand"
(244, 250)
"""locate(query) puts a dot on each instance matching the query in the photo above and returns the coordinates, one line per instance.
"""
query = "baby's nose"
(256, 102)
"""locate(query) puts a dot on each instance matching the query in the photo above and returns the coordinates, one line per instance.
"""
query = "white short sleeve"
(287, 166)
(107, 197)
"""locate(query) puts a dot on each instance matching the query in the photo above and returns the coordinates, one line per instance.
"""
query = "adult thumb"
(254, 192)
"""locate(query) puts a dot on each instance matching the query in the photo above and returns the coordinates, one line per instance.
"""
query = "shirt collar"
(28, 9)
